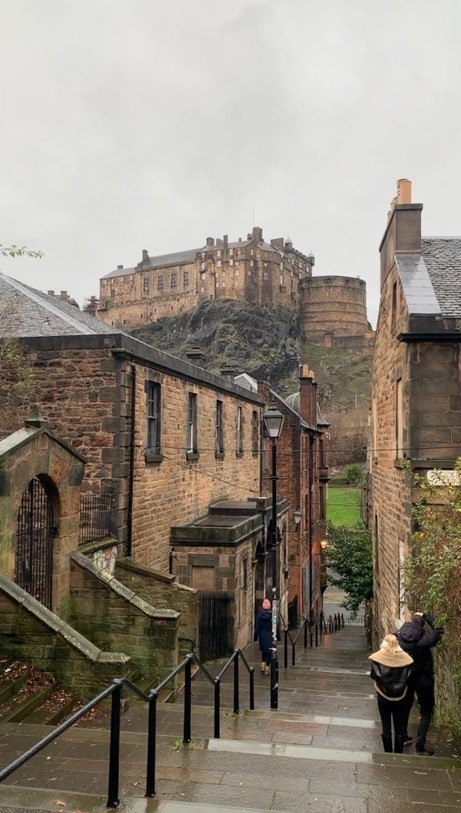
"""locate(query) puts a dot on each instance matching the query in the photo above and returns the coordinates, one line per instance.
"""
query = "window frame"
(239, 431)
(219, 429)
(192, 437)
(153, 453)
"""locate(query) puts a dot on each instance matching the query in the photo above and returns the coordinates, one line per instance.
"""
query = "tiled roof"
(442, 256)
(34, 313)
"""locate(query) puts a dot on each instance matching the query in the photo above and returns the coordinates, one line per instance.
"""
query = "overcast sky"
(152, 124)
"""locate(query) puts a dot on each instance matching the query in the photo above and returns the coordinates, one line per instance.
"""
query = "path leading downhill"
(319, 752)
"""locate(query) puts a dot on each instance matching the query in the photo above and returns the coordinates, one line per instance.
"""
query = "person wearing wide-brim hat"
(390, 670)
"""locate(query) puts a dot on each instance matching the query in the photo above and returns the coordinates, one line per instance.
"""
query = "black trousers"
(424, 689)
(392, 712)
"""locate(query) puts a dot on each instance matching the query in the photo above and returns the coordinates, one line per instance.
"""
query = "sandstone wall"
(333, 305)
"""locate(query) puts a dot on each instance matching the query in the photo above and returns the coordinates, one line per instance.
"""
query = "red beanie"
(266, 604)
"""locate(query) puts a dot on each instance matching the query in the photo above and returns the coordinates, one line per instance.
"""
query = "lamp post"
(273, 423)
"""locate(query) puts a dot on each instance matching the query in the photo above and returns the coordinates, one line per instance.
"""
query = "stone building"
(166, 443)
(302, 477)
(332, 309)
(416, 388)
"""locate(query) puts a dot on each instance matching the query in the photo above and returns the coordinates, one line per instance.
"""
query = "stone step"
(243, 775)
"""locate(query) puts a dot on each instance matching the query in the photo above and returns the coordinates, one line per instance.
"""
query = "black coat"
(263, 630)
(418, 644)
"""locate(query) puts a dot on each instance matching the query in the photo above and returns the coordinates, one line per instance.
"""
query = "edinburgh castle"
(332, 309)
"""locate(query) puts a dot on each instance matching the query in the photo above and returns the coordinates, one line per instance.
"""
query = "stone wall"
(162, 591)
(115, 618)
(31, 633)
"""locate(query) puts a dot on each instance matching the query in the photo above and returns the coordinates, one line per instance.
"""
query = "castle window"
(145, 284)
(186, 278)
(264, 274)
(219, 430)
(203, 275)
(219, 263)
(219, 253)
(173, 280)
(231, 262)
(160, 283)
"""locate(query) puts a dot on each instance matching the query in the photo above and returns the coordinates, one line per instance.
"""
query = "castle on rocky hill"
(332, 309)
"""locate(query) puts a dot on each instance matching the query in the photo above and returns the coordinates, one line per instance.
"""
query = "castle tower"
(333, 308)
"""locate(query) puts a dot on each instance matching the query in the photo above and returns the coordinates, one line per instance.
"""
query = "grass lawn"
(343, 505)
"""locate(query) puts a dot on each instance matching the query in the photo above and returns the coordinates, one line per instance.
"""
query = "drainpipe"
(132, 462)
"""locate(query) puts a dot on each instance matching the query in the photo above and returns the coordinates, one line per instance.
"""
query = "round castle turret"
(333, 308)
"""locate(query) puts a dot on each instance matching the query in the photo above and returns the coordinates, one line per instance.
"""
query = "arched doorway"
(35, 531)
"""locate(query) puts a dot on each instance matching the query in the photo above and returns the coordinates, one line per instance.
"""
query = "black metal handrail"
(312, 632)
(115, 692)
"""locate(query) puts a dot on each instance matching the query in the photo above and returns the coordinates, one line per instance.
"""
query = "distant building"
(332, 309)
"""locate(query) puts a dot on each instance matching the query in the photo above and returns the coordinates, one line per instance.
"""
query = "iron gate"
(34, 543)
(213, 625)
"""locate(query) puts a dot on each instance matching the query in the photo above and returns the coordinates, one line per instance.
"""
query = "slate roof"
(34, 313)
(442, 256)
(183, 257)
(431, 280)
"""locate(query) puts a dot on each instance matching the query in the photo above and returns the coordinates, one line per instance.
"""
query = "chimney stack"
(403, 230)
(210, 241)
(145, 255)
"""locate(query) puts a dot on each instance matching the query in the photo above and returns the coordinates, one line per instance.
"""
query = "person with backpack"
(390, 670)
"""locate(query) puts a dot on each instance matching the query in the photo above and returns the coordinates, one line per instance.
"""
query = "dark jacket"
(390, 681)
(263, 630)
(418, 644)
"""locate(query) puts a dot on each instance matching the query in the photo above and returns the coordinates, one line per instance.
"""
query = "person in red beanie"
(263, 634)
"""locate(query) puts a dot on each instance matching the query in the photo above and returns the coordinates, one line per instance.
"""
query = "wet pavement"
(319, 752)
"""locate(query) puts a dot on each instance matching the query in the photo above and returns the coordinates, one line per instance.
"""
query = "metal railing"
(115, 692)
(312, 632)
(95, 517)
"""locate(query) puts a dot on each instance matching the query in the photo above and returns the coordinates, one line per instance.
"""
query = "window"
(255, 433)
(153, 417)
(239, 428)
(186, 279)
(219, 429)
(160, 283)
(399, 418)
(145, 284)
(173, 280)
(192, 424)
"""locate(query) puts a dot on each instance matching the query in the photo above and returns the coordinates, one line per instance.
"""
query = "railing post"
(217, 704)
(187, 702)
(293, 653)
(252, 688)
(151, 745)
(236, 683)
(114, 747)
(285, 648)
(305, 633)
(310, 635)
(316, 633)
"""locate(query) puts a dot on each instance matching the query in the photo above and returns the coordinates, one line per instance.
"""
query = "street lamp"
(273, 423)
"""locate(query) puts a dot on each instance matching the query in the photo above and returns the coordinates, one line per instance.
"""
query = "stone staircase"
(319, 752)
